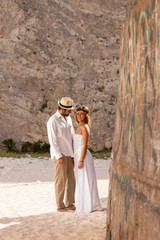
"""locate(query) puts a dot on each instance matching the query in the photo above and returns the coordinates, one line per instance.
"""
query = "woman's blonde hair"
(85, 109)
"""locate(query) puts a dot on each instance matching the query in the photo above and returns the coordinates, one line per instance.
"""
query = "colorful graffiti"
(138, 93)
(135, 171)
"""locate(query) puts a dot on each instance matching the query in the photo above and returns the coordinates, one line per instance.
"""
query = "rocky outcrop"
(134, 206)
(50, 49)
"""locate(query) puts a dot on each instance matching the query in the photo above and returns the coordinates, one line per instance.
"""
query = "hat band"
(65, 106)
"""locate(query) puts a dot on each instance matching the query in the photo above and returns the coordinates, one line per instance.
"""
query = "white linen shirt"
(60, 135)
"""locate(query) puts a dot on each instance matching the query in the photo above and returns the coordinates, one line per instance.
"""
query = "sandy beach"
(28, 207)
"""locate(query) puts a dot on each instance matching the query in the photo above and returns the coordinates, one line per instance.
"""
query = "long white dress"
(88, 198)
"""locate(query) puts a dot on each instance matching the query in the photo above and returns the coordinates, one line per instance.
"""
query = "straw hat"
(66, 103)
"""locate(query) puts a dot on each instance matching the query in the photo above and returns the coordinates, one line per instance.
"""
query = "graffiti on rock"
(138, 94)
(134, 191)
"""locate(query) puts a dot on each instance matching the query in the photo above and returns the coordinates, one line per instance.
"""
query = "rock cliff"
(53, 48)
(135, 170)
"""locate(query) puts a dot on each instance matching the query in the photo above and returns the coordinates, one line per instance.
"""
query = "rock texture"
(134, 198)
(55, 48)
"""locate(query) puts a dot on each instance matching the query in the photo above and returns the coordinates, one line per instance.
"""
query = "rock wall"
(50, 49)
(134, 196)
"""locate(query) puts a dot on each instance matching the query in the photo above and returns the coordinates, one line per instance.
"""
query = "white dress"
(88, 198)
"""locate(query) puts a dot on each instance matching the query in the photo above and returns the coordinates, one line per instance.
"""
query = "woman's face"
(81, 116)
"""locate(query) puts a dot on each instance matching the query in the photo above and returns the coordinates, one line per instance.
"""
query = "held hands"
(80, 164)
(61, 161)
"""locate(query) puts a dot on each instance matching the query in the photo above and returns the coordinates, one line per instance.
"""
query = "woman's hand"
(80, 164)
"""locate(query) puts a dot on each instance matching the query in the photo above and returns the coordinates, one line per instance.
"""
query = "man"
(60, 130)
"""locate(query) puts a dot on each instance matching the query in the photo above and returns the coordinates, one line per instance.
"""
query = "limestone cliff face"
(50, 49)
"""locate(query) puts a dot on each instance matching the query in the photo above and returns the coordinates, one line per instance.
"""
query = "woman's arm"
(84, 149)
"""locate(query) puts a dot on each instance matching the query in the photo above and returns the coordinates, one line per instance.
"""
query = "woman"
(88, 198)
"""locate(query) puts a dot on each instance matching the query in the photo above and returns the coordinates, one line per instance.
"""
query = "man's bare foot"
(72, 207)
(62, 210)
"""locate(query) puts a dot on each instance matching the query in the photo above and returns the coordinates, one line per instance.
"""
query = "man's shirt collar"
(60, 116)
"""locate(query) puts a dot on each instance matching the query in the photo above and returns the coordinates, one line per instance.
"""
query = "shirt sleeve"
(72, 134)
(51, 130)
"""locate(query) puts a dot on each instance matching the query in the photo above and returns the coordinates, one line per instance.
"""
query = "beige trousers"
(64, 182)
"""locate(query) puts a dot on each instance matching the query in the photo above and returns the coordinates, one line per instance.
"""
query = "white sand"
(28, 208)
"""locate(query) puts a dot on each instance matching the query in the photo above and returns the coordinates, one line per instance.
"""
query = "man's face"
(66, 112)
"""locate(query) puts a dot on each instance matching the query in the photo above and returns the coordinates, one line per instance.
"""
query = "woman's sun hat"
(66, 103)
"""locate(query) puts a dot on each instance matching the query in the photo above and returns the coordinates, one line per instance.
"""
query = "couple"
(61, 137)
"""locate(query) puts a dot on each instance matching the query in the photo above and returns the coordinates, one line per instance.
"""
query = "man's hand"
(61, 161)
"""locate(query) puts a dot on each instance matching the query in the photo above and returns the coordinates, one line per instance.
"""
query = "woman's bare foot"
(98, 210)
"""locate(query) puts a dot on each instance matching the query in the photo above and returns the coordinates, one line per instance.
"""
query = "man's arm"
(52, 136)
(72, 133)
